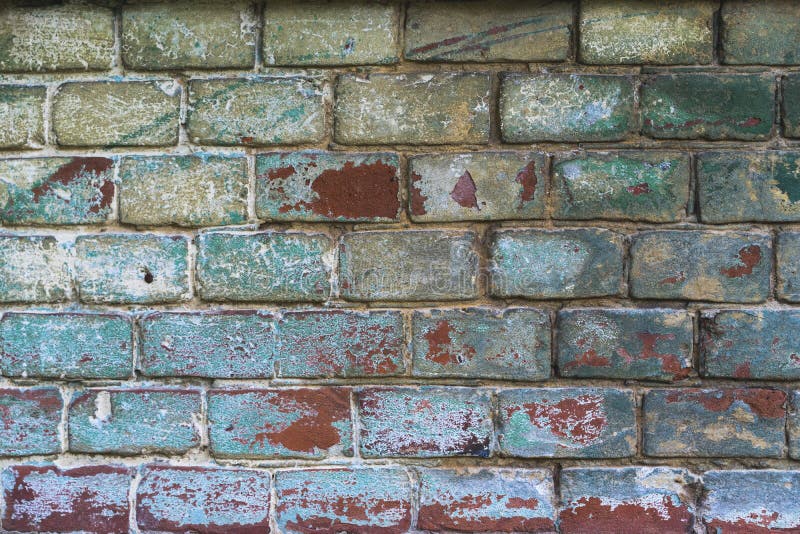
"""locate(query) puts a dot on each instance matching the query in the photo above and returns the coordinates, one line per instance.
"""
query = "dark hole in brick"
(148, 276)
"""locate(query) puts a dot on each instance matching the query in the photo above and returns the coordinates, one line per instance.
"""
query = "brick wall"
(380, 268)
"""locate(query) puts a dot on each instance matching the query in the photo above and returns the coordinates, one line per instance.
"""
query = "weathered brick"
(793, 425)
(197, 190)
(255, 111)
(425, 109)
(791, 105)
(788, 266)
(33, 269)
(501, 30)
(203, 500)
(30, 419)
(410, 265)
(328, 186)
(566, 423)
(634, 32)
(425, 422)
(709, 106)
(225, 344)
(544, 264)
(74, 190)
(336, 33)
(132, 268)
(66, 345)
(188, 34)
(359, 500)
(264, 266)
(486, 500)
(509, 344)
(639, 186)
(280, 423)
(73, 36)
(714, 422)
(44, 498)
(22, 114)
(750, 344)
(134, 421)
(701, 265)
(565, 107)
(340, 343)
(117, 113)
(477, 186)
(757, 501)
(644, 344)
(761, 32)
(644, 499)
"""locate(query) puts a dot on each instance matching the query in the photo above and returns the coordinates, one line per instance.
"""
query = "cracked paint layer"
(30, 420)
(33, 268)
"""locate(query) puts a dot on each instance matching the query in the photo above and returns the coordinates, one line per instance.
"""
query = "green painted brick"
(33, 269)
(565, 107)
(197, 190)
(132, 268)
(426, 109)
(256, 111)
(264, 266)
(130, 113)
(500, 30)
(330, 33)
(639, 186)
(791, 105)
(30, 420)
(636, 32)
(709, 106)
(73, 36)
(788, 266)
(22, 116)
(765, 32)
(66, 345)
(158, 36)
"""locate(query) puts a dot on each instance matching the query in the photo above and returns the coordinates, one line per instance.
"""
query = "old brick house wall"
(374, 267)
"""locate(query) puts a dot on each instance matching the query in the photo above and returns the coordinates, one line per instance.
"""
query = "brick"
(601, 500)
(132, 268)
(255, 111)
(41, 191)
(760, 32)
(197, 190)
(701, 265)
(264, 266)
(328, 186)
(739, 501)
(44, 498)
(56, 37)
(134, 421)
(791, 105)
(33, 269)
(338, 33)
(414, 109)
(543, 264)
(117, 113)
(715, 422)
(202, 499)
(748, 186)
(224, 344)
(340, 343)
(565, 107)
(750, 344)
(498, 31)
(566, 423)
(637, 344)
(425, 422)
(486, 500)
(22, 113)
(30, 419)
(788, 273)
(793, 425)
(359, 500)
(411, 265)
(189, 34)
(709, 106)
(632, 32)
(280, 423)
(638, 186)
(66, 345)
(477, 186)
(508, 344)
